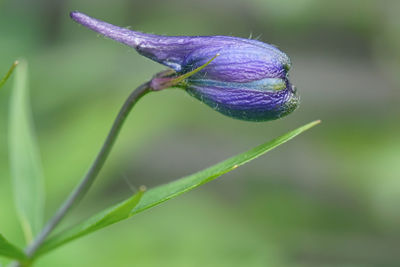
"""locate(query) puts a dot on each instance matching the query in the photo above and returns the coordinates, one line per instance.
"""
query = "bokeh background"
(328, 198)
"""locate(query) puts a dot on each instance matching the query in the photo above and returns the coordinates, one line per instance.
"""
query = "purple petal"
(240, 59)
(246, 104)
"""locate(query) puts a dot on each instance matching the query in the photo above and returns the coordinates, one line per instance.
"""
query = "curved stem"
(94, 170)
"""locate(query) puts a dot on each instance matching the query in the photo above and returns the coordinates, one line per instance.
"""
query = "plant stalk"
(82, 188)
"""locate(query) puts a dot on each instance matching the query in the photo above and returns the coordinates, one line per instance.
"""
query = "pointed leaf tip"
(8, 74)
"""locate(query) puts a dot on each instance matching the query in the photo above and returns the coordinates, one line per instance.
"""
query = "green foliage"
(157, 195)
(331, 201)
(9, 250)
(105, 218)
(24, 158)
(8, 74)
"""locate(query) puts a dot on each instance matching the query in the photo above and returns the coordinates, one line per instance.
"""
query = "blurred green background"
(328, 198)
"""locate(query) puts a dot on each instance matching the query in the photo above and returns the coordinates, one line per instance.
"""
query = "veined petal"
(248, 80)
(244, 103)
(182, 53)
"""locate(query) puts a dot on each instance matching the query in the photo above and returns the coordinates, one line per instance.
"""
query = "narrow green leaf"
(10, 251)
(165, 192)
(103, 219)
(24, 157)
(8, 74)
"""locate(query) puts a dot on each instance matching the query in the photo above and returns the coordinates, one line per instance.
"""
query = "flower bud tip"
(74, 14)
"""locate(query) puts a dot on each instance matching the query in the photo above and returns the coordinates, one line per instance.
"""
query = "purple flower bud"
(248, 80)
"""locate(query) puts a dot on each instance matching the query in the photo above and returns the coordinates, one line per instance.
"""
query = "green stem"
(94, 170)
